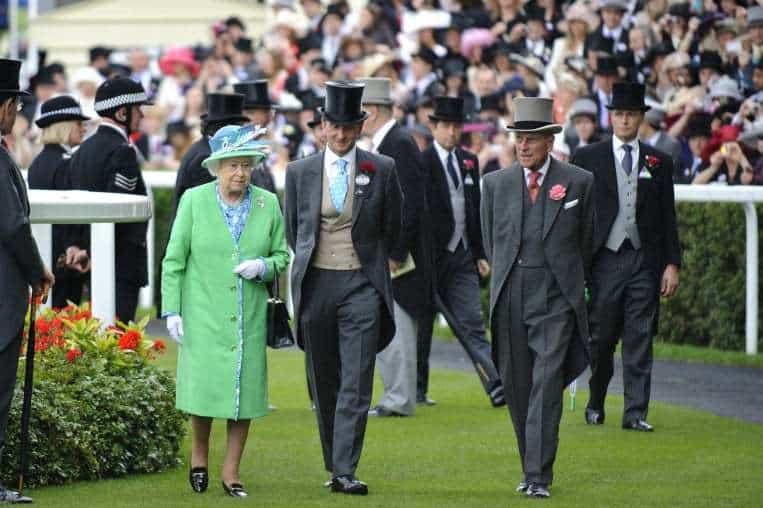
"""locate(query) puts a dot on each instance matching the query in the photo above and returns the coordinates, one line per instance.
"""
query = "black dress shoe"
(638, 425)
(522, 487)
(380, 411)
(594, 417)
(235, 490)
(198, 477)
(538, 490)
(497, 398)
(328, 483)
(13, 497)
(348, 484)
(424, 400)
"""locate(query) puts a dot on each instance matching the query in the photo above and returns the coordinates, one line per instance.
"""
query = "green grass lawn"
(460, 453)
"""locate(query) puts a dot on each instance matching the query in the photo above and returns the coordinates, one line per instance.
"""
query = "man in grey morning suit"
(537, 224)
(342, 208)
(20, 262)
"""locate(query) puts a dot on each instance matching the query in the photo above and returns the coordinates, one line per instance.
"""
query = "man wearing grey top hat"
(537, 225)
(652, 133)
(409, 260)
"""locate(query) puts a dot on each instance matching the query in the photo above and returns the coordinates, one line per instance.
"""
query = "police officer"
(259, 109)
(222, 109)
(106, 162)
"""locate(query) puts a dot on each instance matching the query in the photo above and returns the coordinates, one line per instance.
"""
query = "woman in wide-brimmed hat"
(180, 69)
(227, 241)
(62, 122)
(578, 22)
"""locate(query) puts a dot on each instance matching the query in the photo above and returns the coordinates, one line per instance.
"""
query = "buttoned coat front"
(199, 284)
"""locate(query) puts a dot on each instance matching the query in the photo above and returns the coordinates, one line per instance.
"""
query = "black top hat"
(118, 92)
(63, 108)
(9, 77)
(255, 94)
(316, 119)
(699, 125)
(224, 107)
(710, 60)
(309, 42)
(425, 54)
(176, 127)
(453, 67)
(680, 10)
(335, 8)
(606, 66)
(448, 109)
(628, 96)
(244, 44)
(491, 102)
(343, 102)
(98, 52)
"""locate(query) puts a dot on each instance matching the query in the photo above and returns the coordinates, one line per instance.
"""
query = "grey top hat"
(655, 117)
(621, 5)
(534, 115)
(751, 135)
(584, 107)
(377, 91)
(532, 62)
(755, 16)
(725, 87)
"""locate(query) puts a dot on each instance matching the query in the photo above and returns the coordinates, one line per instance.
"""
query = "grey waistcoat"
(625, 222)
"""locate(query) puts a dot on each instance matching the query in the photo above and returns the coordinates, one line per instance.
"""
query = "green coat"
(199, 284)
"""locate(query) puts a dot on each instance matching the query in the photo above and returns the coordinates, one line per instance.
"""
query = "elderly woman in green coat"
(227, 241)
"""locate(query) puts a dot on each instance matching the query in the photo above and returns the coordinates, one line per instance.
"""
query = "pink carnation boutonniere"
(368, 167)
(651, 161)
(469, 164)
(557, 192)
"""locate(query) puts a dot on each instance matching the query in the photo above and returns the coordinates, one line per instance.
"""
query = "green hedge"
(709, 309)
(91, 422)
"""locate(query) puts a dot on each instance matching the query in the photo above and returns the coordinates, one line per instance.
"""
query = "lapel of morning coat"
(361, 191)
(516, 187)
(554, 177)
(314, 193)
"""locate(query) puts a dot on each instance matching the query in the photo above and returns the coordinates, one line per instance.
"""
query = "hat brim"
(644, 109)
(14, 92)
(256, 154)
(378, 102)
(439, 118)
(220, 119)
(342, 121)
(553, 128)
(46, 122)
(259, 105)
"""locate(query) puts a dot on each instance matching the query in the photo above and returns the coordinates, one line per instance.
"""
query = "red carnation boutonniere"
(557, 192)
(469, 164)
(368, 167)
(651, 161)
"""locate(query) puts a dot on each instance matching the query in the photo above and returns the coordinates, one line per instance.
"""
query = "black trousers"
(423, 350)
(68, 288)
(127, 300)
(533, 327)
(9, 362)
(458, 299)
(340, 324)
(625, 298)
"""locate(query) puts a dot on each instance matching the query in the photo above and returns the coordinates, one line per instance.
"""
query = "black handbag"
(279, 331)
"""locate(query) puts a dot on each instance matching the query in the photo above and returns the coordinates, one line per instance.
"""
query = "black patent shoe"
(538, 491)
(198, 477)
(235, 490)
(594, 417)
(638, 425)
(348, 484)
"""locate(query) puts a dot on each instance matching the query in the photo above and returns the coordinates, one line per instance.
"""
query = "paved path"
(736, 392)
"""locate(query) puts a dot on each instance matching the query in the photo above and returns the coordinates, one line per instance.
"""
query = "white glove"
(251, 269)
(175, 328)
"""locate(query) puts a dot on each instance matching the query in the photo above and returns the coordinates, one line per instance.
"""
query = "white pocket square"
(570, 204)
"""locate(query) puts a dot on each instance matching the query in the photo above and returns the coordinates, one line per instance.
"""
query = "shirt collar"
(441, 152)
(331, 157)
(377, 139)
(543, 170)
(617, 144)
(120, 130)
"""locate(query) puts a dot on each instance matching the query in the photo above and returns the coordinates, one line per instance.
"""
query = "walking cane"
(26, 410)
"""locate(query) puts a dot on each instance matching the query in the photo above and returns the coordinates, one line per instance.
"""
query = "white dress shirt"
(329, 158)
(377, 139)
(543, 171)
(619, 151)
(443, 154)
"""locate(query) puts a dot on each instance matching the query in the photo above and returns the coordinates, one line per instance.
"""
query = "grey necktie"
(628, 160)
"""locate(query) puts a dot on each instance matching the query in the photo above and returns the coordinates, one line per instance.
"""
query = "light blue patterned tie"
(338, 187)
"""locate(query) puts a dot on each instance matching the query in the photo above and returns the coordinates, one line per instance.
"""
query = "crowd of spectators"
(702, 63)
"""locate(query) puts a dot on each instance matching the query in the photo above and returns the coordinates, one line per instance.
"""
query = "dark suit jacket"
(655, 203)
(191, 173)
(413, 290)
(438, 198)
(597, 41)
(20, 262)
(567, 242)
(376, 221)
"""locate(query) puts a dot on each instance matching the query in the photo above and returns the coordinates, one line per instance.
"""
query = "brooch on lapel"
(362, 179)
(260, 202)
(557, 192)
(367, 169)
